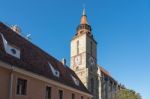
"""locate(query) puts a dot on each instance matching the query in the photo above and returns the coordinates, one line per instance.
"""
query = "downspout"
(11, 83)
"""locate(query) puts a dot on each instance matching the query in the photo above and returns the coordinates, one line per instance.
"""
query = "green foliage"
(127, 94)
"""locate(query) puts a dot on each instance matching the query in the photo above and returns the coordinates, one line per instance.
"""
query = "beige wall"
(82, 45)
(82, 50)
(4, 83)
(36, 88)
(85, 70)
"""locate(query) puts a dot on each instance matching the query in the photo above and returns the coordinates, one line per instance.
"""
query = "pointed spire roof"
(84, 12)
(84, 17)
(84, 27)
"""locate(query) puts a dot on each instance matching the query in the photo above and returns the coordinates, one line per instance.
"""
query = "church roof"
(106, 73)
(33, 59)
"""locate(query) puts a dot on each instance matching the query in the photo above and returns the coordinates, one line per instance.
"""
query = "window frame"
(50, 92)
(19, 90)
(60, 94)
(72, 96)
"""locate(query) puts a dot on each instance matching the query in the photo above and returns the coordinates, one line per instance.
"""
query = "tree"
(138, 96)
(127, 94)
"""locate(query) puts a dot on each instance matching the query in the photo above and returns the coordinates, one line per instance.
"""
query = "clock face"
(91, 61)
(77, 60)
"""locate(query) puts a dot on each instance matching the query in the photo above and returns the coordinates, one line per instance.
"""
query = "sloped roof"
(35, 60)
(106, 73)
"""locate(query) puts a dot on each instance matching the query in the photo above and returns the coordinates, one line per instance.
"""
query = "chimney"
(64, 61)
(16, 29)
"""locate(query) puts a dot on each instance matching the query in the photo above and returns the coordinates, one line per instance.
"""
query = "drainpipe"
(11, 83)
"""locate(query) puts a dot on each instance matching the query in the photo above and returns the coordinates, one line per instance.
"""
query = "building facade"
(27, 72)
(84, 63)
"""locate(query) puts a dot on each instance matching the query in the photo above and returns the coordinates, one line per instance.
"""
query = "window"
(60, 94)
(76, 81)
(13, 51)
(21, 86)
(77, 47)
(92, 85)
(73, 96)
(54, 71)
(48, 92)
(81, 97)
(91, 47)
(10, 49)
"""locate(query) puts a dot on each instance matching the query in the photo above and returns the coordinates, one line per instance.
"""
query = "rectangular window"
(81, 97)
(73, 96)
(48, 92)
(60, 94)
(21, 86)
(77, 47)
(91, 47)
(92, 85)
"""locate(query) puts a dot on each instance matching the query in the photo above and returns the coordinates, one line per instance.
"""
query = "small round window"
(13, 51)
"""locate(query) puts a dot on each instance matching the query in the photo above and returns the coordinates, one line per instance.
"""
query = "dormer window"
(13, 51)
(76, 81)
(54, 71)
(10, 49)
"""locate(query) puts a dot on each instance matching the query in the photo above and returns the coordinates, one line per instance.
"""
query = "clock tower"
(84, 56)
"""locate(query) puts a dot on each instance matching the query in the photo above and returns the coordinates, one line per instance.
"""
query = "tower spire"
(84, 27)
(84, 17)
(84, 12)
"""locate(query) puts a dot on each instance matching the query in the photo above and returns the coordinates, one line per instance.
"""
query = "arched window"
(77, 47)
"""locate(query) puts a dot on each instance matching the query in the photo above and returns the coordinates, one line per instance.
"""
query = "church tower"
(84, 56)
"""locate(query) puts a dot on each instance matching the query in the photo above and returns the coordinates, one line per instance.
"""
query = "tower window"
(92, 85)
(48, 92)
(21, 86)
(91, 47)
(77, 47)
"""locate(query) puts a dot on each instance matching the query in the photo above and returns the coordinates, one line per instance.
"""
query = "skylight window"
(76, 81)
(9, 49)
(54, 71)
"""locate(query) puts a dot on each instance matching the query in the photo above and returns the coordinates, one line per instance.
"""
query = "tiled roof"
(35, 60)
(106, 73)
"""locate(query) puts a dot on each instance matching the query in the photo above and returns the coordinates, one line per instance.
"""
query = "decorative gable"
(54, 71)
(9, 49)
(76, 81)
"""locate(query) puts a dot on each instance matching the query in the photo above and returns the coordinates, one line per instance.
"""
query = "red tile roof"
(35, 60)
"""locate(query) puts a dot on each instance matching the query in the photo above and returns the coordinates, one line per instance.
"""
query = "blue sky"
(121, 28)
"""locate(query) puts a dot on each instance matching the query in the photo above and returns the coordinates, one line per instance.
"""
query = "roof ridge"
(34, 45)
